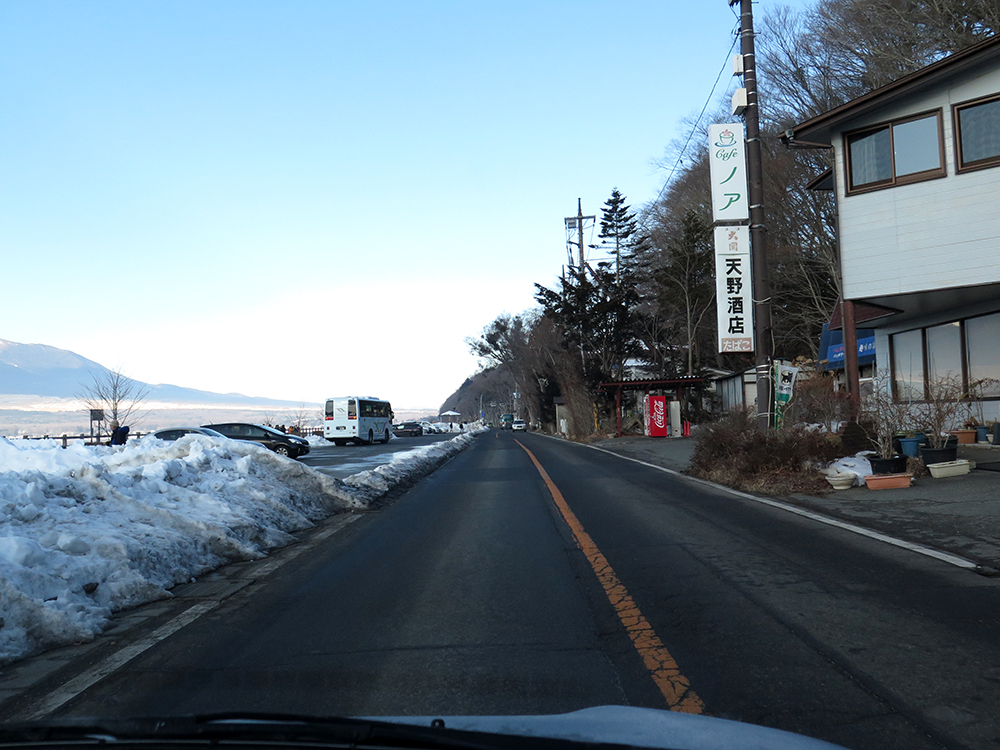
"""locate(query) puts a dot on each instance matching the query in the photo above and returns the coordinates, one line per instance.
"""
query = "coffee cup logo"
(726, 138)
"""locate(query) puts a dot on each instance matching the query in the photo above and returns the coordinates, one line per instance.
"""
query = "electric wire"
(697, 123)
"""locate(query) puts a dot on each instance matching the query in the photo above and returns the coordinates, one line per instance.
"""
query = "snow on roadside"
(87, 531)
(856, 465)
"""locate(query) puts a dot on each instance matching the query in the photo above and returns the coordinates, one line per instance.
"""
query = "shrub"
(817, 401)
(733, 452)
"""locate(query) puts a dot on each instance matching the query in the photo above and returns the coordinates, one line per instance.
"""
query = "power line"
(697, 122)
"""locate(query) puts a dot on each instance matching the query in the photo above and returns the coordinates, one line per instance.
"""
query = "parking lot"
(342, 462)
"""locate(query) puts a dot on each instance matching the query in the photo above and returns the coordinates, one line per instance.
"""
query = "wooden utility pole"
(763, 341)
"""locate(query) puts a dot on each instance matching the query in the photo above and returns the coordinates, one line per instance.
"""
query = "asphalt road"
(495, 587)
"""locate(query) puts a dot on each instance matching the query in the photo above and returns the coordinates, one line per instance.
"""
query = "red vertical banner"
(656, 416)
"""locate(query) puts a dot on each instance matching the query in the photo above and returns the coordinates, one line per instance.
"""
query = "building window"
(978, 127)
(982, 337)
(895, 153)
(944, 351)
(908, 365)
(968, 350)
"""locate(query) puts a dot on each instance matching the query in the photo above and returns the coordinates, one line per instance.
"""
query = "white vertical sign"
(728, 164)
(734, 289)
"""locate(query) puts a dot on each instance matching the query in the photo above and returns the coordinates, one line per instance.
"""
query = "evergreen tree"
(618, 229)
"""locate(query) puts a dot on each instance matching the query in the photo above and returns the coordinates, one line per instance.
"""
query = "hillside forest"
(648, 305)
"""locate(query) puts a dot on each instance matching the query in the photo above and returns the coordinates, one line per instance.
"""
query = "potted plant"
(978, 392)
(946, 406)
(909, 442)
(882, 417)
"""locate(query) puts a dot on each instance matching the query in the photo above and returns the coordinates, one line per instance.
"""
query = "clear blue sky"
(305, 199)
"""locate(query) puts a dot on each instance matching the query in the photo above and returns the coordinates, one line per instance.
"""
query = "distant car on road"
(272, 439)
(519, 425)
(407, 429)
(175, 433)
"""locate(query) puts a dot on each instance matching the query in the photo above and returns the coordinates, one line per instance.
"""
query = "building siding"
(935, 234)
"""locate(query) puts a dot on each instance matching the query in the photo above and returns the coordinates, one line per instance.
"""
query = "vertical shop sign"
(733, 289)
(728, 166)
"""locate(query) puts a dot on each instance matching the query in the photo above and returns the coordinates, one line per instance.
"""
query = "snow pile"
(857, 465)
(87, 531)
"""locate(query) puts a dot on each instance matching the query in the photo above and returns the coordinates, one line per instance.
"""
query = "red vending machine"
(656, 416)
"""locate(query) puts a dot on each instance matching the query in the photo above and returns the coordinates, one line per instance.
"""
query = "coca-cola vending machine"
(656, 416)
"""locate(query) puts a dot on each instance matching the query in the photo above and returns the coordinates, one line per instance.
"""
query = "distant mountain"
(40, 370)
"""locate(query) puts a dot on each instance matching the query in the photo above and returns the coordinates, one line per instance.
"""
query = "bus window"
(352, 409)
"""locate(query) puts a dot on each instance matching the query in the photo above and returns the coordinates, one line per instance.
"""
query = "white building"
(917, 180)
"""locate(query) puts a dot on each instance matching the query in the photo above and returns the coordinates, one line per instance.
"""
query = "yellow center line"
(661, 665)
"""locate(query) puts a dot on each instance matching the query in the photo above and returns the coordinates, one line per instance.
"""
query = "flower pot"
(938, 455)
(894, 465)
(982, 434)
(948, 469)
(888, 481)
(965, 437)
(909, 446)
(840, 480)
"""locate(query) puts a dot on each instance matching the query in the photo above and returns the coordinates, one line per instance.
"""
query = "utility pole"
(763, 341)
(578, 222)
(582, 275)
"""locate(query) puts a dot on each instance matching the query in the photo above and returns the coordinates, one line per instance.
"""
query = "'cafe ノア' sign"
(728, 164)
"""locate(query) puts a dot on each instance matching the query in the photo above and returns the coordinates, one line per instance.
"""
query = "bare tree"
(506, 343)
(118, 396)
(299, 418)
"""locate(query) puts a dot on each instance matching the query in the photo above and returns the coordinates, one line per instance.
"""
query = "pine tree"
(618, 229)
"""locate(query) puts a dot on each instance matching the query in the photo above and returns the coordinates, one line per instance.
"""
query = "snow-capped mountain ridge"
(42, 370)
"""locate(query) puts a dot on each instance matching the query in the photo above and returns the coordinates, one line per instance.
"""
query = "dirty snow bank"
(87, 531)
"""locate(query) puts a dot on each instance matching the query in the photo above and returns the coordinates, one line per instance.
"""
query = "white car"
(519, 425)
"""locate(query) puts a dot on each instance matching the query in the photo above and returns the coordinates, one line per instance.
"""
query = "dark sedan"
(176, 433)
(407, 429)
(272, 439)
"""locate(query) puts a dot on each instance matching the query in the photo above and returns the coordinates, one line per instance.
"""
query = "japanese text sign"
(728, 164)
(734, 289)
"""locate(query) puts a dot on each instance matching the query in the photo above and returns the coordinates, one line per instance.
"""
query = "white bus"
(361, 420)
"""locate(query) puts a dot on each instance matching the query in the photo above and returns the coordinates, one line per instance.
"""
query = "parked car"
(519, 425)
(175, 433)
(272, 439)
(408, 429)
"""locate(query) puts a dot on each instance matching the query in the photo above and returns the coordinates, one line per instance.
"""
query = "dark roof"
(822, 181)
(864, 312)
(820, 129)
(640, 383)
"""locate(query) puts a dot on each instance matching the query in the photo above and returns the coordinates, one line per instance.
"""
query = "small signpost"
(96, 415)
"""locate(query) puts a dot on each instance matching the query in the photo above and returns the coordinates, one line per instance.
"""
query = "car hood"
(605, 725)
(625, 725)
